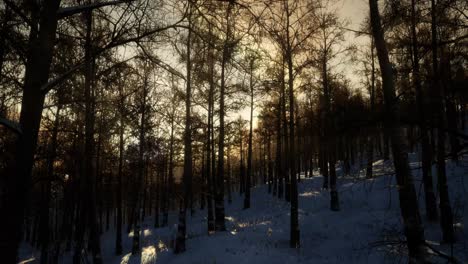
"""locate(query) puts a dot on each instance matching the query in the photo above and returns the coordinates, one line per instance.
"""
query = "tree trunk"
(269, 163)
(279, 150)
(203, 175)
(3, 50)
(87, 212)
(277, 182)
(370, 140)
(159, 198)
(334, 200)
(18, 175)
(170, 180)
(89, 191)
(386, 138)
(430, 199)
(324, 163)
(118, 238)
(219, 197)
(44, 222)
(210, 159)
(446, 217)
(408, 201)
(285, 139)
(229, 175)
(330, 138)
(241, 165)
(138, 188)
(294, 241)
(187, 176)
(249, 153)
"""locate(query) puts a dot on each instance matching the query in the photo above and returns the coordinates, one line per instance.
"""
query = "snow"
(368, 228)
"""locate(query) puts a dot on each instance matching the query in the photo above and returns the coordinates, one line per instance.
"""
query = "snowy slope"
(368, 228)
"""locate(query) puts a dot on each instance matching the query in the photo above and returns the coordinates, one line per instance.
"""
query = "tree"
(251, 60)
(228, 46)
(408, 202)
(41, 39)
(430, 200)
(118, 239)
(88, 187)
(187, 176)
(446, 220)
(330, 38)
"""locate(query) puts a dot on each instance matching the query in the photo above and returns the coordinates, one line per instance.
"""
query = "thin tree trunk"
(210, 145)
(269, 163)
(370, 139)
(118, 239)
(446, 216)
(44, 222)
(138, 188)
(187, 176)
(249, 153)
(294, 222)
(3, 50)
(278, 185)
(241, 164)
(145, 189)
(203, 175)
(98, 178)
(386, 152)
(170, 173)
(325, 172)
(219, 197)
(159, 197)
(89, 152)
(430, 199)
(330, 138)
(285, 139)
(228, 180)
(88, 210)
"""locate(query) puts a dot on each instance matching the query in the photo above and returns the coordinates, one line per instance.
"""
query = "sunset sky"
(354, 10)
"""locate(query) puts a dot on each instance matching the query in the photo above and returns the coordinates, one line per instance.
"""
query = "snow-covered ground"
(368, 228)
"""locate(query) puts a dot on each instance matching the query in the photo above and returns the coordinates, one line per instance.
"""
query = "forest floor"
(367, 229)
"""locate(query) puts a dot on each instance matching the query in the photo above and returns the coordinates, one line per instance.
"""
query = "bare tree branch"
(73, 10)
(15, 127)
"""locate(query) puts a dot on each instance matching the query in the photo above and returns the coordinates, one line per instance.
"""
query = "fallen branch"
(441, 254)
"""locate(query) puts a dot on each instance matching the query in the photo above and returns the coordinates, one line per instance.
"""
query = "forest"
(233, 131)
